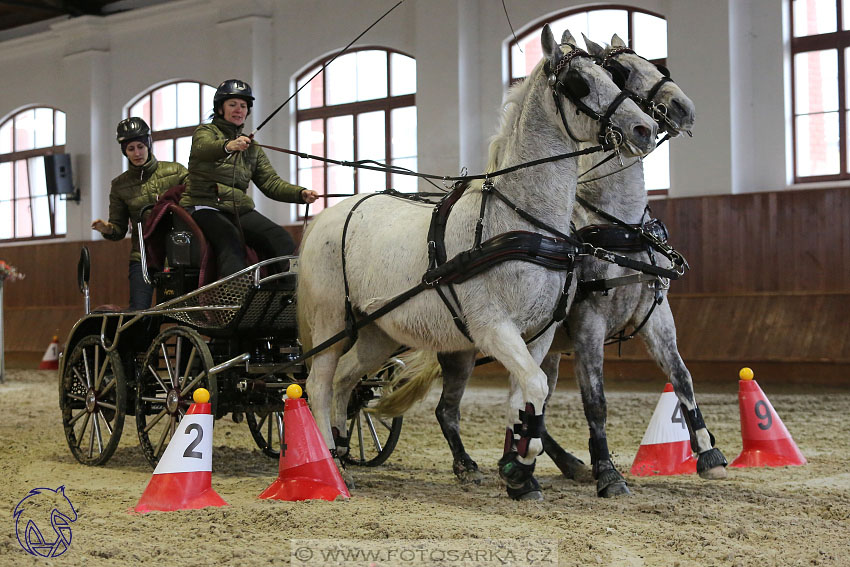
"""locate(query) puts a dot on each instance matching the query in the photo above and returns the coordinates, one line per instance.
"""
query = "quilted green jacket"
(136, 188)
(220, 180)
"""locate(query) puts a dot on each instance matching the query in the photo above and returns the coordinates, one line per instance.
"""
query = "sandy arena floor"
(757, 517)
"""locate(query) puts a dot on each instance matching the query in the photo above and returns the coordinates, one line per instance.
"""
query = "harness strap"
(606, 284)
(350, 319)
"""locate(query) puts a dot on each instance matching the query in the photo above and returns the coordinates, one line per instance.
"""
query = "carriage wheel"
(92, 397)
(176, 364)
(266, 427)
(371, 438)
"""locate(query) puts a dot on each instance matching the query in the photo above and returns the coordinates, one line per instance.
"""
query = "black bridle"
(575, 88)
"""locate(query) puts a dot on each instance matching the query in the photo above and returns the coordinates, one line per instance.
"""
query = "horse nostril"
(643, 133)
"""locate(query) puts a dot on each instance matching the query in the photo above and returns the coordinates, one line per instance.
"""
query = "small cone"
(50, 360)
(182, 479)
(666, 445)
(767, 442)
(306, 470)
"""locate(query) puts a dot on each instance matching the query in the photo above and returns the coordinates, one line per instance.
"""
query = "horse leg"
(457, 368)
(524, 422)
(319, 390)
(589, 360)
(570, 466)
(660, 338)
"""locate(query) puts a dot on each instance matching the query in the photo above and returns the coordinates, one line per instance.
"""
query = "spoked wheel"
(266, 428)
(92, 396)
(176, 364)
(371, 438)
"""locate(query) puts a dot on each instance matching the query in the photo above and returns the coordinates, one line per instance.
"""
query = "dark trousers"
(266, 237)
(141, 293)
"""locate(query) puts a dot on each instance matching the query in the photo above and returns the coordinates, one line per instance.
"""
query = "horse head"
(40, 508)
(651, 85)
(596, 107)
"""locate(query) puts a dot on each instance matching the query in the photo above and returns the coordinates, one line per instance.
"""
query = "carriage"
(236, 336)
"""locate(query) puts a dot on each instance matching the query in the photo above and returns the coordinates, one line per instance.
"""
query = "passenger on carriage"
(222, 162)
(143, 182)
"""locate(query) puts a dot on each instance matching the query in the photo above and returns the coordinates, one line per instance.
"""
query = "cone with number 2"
(766, 441)
(307, 471)
(182, 479)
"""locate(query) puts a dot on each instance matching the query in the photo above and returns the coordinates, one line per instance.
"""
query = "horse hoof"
(530, 490)
(466, 471)
(611, 483)
(711, 465)
(470, 477)
(582, 474)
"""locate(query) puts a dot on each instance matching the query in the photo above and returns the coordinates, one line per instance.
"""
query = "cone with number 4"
(307, 471)
(183, 477)
(766, 441)
(666, 445)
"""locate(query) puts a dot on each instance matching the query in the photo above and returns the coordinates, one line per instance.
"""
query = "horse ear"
(617, 42)
(576, 85)
(619, 73)
(567, 38)
(663, 70)
(593, 48)
(551, 50)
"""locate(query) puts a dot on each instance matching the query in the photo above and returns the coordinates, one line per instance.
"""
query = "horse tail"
(410, 384)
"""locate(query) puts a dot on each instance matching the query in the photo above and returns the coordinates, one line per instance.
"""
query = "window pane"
(7, 219)
(311, 140)
(208, 93)
(6, 181)
(403, 142)
(577, 24)
(164, 150)
(311, 95)
(184, 146)
(43, 127)
(341, 79)
(60, 128)
(188, 104)
(523, 62)
(817, 144)
(23, 220)
(845, 10)
(25, 130)
(41, 216)
(6, 137)
(371, 74)
(656, 168)
(813, 17)
(38, 184)
(341, 137)
(405, 183)
(371, 139)
(403, 69)
(816, 81)
(142, 109)
(22, 185)
(165, 108)
(650, 36)
(60, 216)
(340, 182)
(604, 24)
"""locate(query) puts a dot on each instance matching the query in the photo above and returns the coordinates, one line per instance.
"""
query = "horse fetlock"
(513, 472)
(340, 443)
(599, 454)
(701, 437)
(711, 465)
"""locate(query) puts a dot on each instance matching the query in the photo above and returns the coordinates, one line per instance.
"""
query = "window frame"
(630, 11)
(324, 112)
(840, 41)
(15, 156)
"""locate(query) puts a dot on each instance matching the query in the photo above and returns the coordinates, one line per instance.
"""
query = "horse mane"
(511, 111)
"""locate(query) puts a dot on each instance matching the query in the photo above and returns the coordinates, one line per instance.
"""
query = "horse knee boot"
(711, 463)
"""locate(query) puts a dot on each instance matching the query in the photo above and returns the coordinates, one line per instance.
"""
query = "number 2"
(189, 453)
(763, 413)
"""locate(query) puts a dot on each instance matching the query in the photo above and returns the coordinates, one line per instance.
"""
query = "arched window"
(362, 106)
(643, 31)
(820, 55)
(173, 111)
(26, 210)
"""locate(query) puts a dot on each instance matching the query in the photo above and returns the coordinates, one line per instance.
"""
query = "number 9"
(763, 413)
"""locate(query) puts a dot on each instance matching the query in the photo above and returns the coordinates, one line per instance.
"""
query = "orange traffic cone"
(666, 445)
(182, 479)
(50, 360)
(306, 471)
(766, 441)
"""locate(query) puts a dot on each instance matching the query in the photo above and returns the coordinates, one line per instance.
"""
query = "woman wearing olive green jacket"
(222, 163)
(139, 186)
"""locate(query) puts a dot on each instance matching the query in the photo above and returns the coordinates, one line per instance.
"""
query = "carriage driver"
(139, 186)
(222, 162)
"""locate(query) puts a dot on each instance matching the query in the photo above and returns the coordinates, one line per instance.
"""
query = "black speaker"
(57, 172)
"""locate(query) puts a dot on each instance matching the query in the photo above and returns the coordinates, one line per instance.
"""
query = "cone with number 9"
(183, 477)
(766, 441)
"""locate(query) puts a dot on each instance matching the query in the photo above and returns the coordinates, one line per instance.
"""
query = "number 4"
(678, 417)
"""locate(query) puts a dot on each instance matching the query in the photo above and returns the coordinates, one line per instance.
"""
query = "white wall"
(727, 55)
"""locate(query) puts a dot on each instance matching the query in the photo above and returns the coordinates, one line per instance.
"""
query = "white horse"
(386, 253)
(618, 190)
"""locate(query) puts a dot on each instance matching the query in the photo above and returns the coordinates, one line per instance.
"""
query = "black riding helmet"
(131, 130)
(232, 88)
